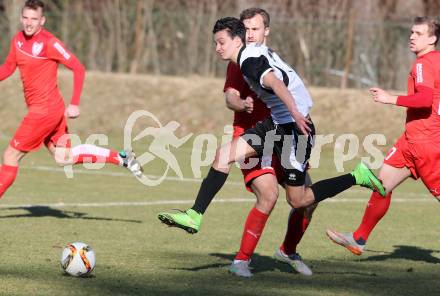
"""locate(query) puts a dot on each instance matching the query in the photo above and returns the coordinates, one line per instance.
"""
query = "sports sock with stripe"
(253, 228)
(376, 208)
(87, 153)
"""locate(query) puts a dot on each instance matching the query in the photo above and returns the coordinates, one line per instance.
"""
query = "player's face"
(32, 20)
(225, 46)
(420, 42)
(256, 32)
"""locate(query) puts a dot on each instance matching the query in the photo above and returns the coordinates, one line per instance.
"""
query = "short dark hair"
(233, 26)
(34, 5)
(253, 11)
(433, 26)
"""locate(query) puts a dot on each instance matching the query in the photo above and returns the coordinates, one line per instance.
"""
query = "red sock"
(7, 177)
(251, 234)
(296, 228)
(93, 154)
(376, 208)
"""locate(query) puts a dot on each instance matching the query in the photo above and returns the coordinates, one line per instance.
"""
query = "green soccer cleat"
(189, 220)
(365, 178)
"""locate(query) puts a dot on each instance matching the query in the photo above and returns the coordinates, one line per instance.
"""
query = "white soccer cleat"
(130, 162)
(293, 260)
(241, 268)
(346, 240)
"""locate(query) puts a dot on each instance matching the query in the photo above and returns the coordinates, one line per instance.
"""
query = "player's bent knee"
(12, 156)
(222, 159)
(267, 201)
(295, 203)
(298, 201)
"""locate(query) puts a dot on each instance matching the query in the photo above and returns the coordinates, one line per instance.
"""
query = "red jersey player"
(416, 153)
(37, 53)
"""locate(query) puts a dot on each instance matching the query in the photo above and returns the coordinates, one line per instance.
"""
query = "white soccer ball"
(78, 259)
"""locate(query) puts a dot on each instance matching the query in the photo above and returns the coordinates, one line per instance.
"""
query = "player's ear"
(266, 31)
(237, 41)
(432, 40)
(43, 20)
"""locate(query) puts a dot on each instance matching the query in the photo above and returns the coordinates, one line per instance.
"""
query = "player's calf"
(12, 156)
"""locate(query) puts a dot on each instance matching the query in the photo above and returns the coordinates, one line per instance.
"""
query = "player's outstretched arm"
(271, 81)
(422, 98)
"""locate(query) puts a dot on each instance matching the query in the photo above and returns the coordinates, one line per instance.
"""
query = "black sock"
(210, 186)
(330, 187)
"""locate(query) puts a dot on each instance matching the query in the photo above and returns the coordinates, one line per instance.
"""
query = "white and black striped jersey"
(257, 60)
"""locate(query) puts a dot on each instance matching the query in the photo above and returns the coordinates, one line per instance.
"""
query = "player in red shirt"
(416, 153)
(37, 53)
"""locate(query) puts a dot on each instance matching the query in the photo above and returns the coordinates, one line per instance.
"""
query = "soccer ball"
(78, 259)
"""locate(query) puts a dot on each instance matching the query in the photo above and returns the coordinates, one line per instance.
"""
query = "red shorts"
(36, 129)
(270, 166)
(421, 158)
(264, 166)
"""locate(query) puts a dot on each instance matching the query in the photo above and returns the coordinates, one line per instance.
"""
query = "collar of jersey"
(239, 54)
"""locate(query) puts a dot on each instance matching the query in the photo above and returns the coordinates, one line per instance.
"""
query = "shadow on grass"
(191, 277)
(408, 253)
(45, 211)
(262, 264)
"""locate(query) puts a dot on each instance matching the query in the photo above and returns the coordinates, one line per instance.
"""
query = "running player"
(416, 153)
(283, 92)
(261, 179)
(37, 53)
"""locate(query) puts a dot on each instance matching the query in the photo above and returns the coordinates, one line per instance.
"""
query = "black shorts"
(285, 141)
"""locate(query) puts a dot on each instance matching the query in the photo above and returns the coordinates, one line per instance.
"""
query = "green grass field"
(137, 255)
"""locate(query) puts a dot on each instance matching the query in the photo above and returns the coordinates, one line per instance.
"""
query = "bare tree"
(152, 42)
(209, 53)
(139, 35)
(12, 10)
(349, 46)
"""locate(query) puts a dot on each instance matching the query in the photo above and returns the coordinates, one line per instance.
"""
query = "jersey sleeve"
(57, 51)
(10, 64)
(424, 74)
(422, 98)
(255, 68)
